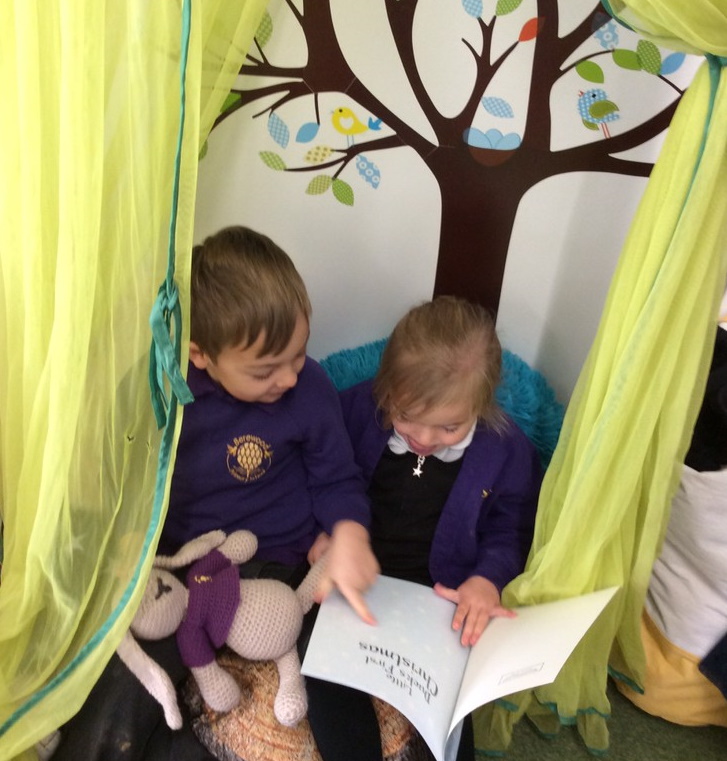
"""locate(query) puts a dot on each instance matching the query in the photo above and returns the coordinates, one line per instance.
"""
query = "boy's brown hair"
(441, 352)
(244, 285)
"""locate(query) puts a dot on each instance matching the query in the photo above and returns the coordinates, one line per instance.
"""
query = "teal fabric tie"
(716, 66)
(165, 353)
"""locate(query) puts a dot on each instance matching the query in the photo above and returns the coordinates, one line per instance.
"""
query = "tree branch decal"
(482, 173)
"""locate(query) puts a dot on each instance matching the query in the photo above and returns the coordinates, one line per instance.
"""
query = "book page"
(520, 653)
(412, 658)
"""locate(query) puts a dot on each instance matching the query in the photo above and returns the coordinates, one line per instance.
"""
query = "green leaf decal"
(590, 71)
(626, 59)
(507, 6)
(649, 56)
(273, 160)
(230, 102)
(343, 192)
(319, 184)
(264, 31)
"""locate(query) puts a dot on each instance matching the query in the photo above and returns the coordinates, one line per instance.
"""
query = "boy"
(263, 446)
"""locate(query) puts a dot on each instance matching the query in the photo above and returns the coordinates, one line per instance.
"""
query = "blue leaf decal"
(509, 142)
(278, 130)
(599, 19)
(498, 107)
(476, 138)
(671, 63)
(307, 132)
(493, 137)
(607, 35)
(492, 140)
(473, 7)
(369, 171)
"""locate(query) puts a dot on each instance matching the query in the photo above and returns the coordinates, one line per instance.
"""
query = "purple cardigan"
(486, 526)
(280, 470)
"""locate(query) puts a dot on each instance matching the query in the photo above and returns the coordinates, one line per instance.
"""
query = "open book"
(413, 659)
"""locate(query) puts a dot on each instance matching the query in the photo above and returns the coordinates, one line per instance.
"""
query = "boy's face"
(250, 378)
(429, 431)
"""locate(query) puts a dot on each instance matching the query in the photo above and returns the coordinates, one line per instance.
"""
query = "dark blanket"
(708, 448)
(714, 665)
(121, 721)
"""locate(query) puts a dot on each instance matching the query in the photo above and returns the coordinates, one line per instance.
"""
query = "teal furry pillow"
(348, 367)
(523, 393)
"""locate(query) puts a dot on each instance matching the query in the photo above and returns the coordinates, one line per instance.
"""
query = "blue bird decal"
(596, 110)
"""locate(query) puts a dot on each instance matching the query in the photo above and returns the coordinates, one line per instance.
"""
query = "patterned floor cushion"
(252, 733)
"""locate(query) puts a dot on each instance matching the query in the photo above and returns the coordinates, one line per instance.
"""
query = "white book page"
(412, 659)
(520, 653)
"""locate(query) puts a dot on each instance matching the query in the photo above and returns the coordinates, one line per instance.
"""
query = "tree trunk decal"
(482, 174)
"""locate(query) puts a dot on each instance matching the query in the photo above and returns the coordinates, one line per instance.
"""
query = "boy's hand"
(351, 567)
(318, 550)
(477, 602)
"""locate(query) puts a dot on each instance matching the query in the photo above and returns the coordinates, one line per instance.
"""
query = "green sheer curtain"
(104, 108)
(606, 496)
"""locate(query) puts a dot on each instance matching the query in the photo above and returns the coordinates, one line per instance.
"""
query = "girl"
(453, 485)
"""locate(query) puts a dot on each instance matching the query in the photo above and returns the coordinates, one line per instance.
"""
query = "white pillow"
(687, 595)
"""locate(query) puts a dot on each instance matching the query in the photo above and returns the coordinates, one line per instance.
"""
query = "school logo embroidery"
(248, 458)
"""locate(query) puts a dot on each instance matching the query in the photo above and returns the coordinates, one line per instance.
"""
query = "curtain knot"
(166, 345)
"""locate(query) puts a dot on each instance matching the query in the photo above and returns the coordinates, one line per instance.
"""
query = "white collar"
(397, 444)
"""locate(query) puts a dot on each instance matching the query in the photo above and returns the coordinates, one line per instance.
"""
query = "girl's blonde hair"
(441, 352)
(242, 286)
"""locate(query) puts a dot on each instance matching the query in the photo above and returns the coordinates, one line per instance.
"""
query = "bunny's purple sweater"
(214, 597)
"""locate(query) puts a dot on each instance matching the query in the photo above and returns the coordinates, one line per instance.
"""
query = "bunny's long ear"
(153, 677)
(194, 550)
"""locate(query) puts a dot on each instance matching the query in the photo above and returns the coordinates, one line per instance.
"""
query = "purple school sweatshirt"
(281, 470)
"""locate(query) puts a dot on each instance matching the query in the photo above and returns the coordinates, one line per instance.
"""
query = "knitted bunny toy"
(260, 619)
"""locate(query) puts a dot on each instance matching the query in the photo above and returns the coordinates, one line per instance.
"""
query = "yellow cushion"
(674, 688)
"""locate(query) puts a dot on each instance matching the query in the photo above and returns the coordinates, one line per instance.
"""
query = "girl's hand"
(351, 566)
(477, 601)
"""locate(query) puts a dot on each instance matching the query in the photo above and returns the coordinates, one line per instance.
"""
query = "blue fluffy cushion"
(523, 393)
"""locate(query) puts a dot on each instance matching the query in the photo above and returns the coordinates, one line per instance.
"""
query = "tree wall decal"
(482, 174)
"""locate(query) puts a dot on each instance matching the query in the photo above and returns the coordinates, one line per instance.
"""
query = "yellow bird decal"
(347, 123)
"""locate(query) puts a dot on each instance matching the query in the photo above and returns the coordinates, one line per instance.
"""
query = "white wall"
(559, 269)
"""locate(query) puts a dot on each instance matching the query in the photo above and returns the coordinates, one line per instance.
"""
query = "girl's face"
(429, 431)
